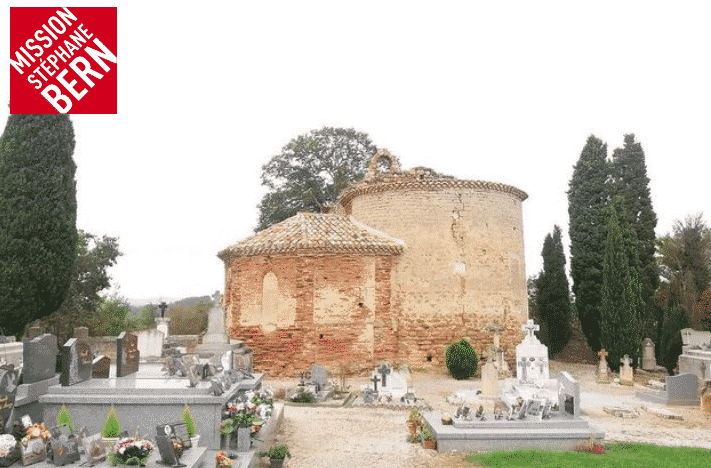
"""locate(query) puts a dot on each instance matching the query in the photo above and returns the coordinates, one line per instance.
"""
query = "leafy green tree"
(621, 303)
(685, 259)
(146, 318)
(632, 183)
(111, 318)
(553, 299)
(91, 277)
(311, 171)
(38, 209)
(675, 320)
(588, 195)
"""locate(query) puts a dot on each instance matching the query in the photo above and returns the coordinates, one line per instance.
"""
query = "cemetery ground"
(320, 436)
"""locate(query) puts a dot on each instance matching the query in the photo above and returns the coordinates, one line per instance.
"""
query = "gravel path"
(375, 437)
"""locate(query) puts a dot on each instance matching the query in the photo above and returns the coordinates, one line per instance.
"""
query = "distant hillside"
(136, 305)
(188, 301)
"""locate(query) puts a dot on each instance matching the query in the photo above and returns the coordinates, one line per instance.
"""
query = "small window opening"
(429, 358)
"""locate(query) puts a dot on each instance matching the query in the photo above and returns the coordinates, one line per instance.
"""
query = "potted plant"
(243, 422)
(413, 422)
(226, 428)
(427, 439)
(64, 418)
(112, 428)
(277, 454)
(190, 423)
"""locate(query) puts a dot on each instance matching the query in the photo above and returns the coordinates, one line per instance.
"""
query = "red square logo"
(63, 60)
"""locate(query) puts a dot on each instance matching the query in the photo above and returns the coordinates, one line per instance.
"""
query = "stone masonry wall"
(294, 311)
(462, 269)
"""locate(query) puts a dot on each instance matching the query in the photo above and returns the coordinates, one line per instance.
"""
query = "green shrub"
(188, 320)
(304, 397)
(675, 320)
(278, 452)
(461, 359)
(112, 426)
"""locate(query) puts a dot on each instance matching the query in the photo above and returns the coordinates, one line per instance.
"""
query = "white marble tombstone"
(531, 357)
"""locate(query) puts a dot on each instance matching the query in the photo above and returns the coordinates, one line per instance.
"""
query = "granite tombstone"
(127, 354)
(39, 358)
(76, 362)
(101, 367)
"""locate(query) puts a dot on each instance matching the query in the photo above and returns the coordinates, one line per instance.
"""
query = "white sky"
(499, 91)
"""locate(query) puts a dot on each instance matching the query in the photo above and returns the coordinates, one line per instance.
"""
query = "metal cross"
(375, 381)
(383, 371)
(162, 306)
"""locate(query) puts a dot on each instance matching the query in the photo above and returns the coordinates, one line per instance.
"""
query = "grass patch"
(622, 455)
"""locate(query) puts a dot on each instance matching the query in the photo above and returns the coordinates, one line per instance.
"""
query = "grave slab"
(39, 358)
(681, 390)
(143, 403)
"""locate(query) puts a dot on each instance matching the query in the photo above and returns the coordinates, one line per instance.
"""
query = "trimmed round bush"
(461, 360)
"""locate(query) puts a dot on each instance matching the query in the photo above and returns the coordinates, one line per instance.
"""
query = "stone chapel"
(404, 264)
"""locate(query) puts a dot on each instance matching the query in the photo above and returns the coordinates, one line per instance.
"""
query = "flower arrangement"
(112, 426)
(221, 460)
(8, 445)
(131, 451)
(38, 430)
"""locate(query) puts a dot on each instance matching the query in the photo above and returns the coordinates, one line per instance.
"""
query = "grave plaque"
(127, 354)
(76, 360)
(39, 358)
(101, 366)
(8, 388)
(167, 451)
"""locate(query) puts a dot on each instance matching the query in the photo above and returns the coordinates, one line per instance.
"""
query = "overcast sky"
(498, 91)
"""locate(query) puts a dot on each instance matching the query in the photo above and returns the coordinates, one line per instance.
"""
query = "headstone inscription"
(101, 367)
(76, 362)
(626, 371)
(127, 354)
(39, 358)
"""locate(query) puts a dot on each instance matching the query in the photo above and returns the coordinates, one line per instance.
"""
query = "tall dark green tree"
(38, 209)
(621, 303)
(553, 299)
(588, 195)
(311, 171)
(632, 183)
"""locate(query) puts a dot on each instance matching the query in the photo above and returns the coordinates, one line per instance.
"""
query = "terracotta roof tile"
(314, 233)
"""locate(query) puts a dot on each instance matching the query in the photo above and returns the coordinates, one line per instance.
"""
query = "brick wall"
(329, 310)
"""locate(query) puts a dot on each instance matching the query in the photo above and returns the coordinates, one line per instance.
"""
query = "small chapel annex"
(405, 263)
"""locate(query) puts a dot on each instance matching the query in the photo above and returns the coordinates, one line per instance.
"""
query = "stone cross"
(162, 306)
(603, 355)
(626, 361)
(529, 328)
(383, 371)
(375, 381)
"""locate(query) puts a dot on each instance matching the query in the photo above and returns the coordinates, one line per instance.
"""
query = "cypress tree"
(38, 208)
(588, 195)
(632, 183)
(621, 302)
(553, 299)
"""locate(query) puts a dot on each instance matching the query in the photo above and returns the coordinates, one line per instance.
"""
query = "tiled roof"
(312, 233)
(420, 179)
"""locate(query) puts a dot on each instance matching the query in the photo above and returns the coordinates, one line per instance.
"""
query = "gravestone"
(39, 358)
(101, 367)
(81, 333)
(150, 344)
(8, 388)
(489, 380)
(127, 354)
(680, 389)
(319, 376)
(375, 381)
(531, 357)
(569, 395)
(397, 383)
(649, 360)
(603, 370)
(215, 340)
(694, 339)
(626, 371)
(76, 362)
